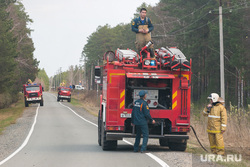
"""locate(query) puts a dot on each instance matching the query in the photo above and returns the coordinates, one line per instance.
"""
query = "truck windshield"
(65, 89)
(32, 88)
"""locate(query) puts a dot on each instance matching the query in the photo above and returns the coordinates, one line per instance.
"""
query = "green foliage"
(42, 75)
(17, 63)
(196, 31)
(192, 26)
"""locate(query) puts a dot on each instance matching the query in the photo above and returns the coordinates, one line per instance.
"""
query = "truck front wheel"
(99, 129)
(26, 103)
(107, 144)
(69, 100)
(41, 102)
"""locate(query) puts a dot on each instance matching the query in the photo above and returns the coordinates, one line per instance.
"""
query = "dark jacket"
(140, 113)
(137, 21)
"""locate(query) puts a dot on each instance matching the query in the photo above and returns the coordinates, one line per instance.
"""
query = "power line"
(169, 33)
(232, 7)
(187, 15)
(199, 27)
(190, 24)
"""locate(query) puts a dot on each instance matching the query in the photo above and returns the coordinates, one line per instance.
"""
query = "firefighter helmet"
(214, 97)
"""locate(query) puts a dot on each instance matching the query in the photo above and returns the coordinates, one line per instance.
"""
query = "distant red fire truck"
(167, 78)
(33, 93)
(64, 93)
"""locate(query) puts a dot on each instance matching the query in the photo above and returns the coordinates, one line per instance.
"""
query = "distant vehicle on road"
(79, 87)
(64, 93)
(33, 93)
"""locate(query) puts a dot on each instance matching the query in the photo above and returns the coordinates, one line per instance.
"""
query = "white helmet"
(214, 97)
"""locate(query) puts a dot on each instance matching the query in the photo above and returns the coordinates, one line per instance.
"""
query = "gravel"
(14, 135)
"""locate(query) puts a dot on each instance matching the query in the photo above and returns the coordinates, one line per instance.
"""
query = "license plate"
(34, 98)
(125, 115)
(64, 96)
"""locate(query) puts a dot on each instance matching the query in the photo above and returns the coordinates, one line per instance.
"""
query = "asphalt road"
(61, 138)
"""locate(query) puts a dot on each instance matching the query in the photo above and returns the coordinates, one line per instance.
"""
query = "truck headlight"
(147, 62)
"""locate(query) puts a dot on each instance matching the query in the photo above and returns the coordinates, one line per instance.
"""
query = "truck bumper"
(120, 136)
(64, 97)
(34, 99)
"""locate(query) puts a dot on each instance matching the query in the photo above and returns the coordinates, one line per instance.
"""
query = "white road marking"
(158, 160)
(79, 115)
(25, 141)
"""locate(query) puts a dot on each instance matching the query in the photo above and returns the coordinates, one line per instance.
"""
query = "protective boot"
(220, 144)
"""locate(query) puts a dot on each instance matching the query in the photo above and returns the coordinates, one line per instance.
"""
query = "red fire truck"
(64, 93)
(167, 78)
(33, 93)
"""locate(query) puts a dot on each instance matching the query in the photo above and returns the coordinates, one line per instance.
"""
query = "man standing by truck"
(139, 118)
(142, 26)
(217, 123)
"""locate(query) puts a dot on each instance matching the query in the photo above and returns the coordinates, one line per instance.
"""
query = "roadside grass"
(76, 102)
(236, 137)
(9, 115)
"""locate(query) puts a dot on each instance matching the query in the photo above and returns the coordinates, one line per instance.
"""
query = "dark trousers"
(141, 129)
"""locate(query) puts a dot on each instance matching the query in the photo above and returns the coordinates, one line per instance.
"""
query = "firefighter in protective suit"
(143, 26)
(217, 123)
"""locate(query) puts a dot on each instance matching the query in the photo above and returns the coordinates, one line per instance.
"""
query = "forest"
(17, 62)
(193, 27)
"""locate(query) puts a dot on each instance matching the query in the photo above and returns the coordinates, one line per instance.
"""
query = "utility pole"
(91, 77)
(60, 75)
(222, 76)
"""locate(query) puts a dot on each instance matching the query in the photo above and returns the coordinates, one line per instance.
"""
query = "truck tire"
(58, 99)
(163, 142)
(99, 130)
(69, 100)
(41, 102)
(26, 103)
(178, 146)
(107, 144)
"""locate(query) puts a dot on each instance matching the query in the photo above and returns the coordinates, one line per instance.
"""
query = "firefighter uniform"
(141, 38)
(140, 117)
(217, 122)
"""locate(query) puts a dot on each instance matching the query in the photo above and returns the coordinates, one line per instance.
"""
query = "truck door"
(116, 83)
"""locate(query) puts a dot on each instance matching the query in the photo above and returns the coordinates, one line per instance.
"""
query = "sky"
(61, 27)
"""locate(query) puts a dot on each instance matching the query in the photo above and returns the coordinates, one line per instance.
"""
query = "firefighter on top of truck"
(140, 117)
(217, 123)
(142, 26)
(29, 81)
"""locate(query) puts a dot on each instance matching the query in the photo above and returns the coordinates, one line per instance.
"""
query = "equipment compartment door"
(116, 83)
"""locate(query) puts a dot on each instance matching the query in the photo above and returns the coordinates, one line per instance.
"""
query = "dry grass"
(88, 100)
(236, 137)
(9, 115)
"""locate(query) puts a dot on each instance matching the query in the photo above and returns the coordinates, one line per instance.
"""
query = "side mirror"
(22, 90)
(97, 71)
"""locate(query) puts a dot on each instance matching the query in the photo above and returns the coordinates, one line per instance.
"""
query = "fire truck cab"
(33, 93)
(167, 81)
